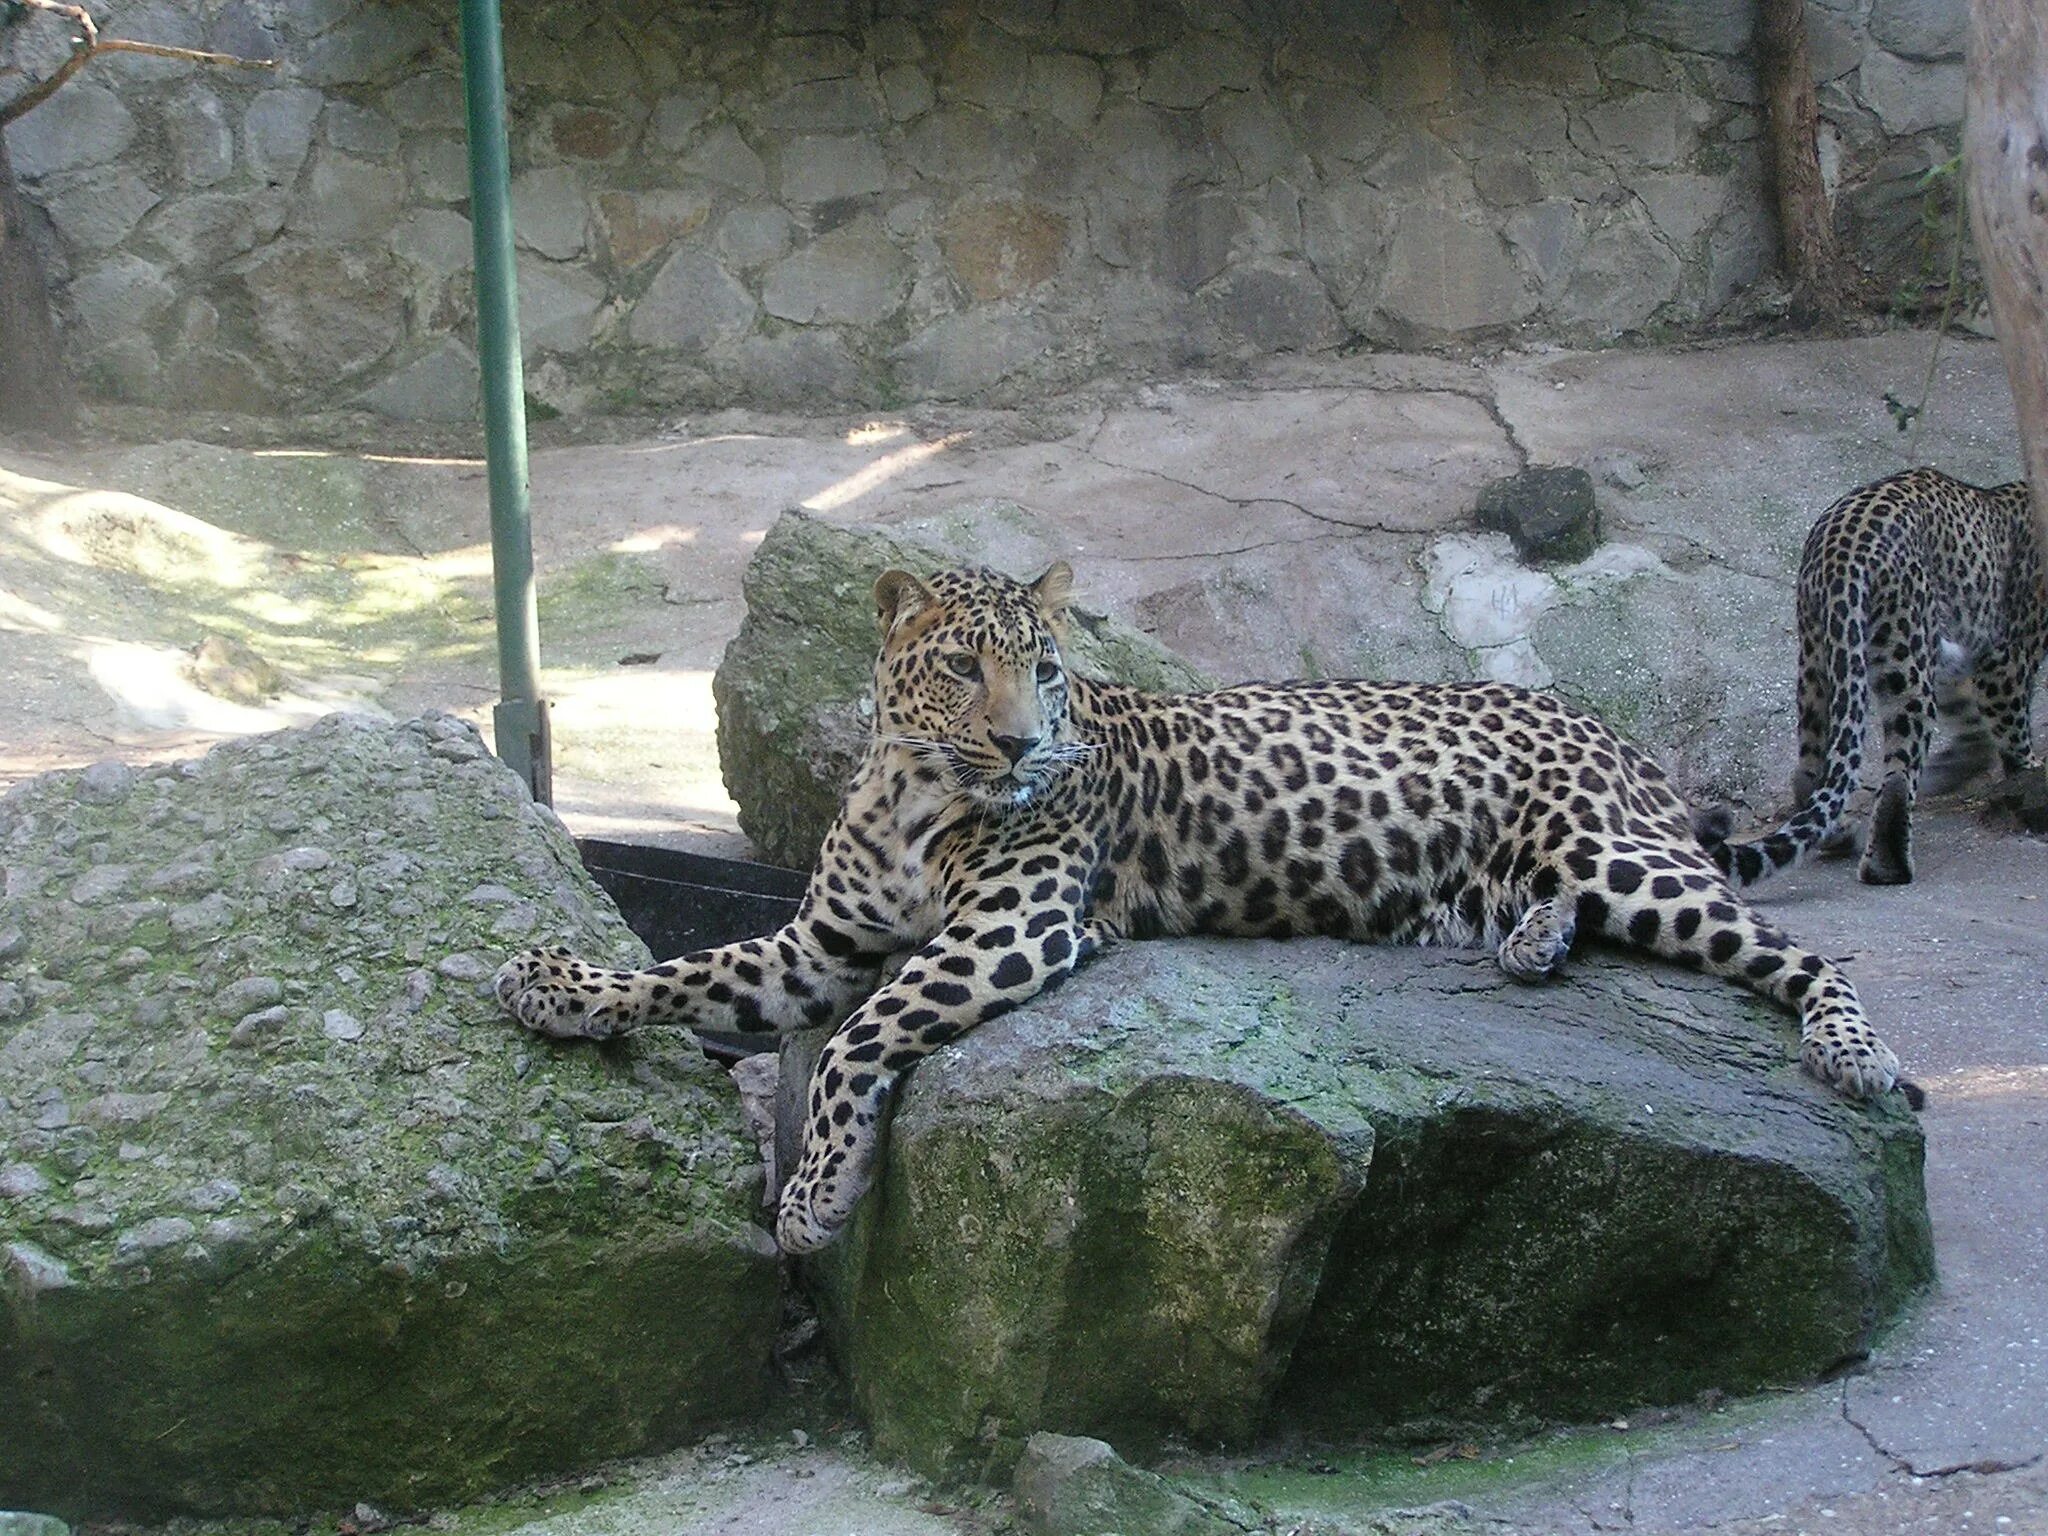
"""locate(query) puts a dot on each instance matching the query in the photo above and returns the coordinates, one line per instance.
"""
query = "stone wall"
(812, 202)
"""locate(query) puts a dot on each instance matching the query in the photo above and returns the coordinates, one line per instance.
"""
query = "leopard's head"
(971, 681)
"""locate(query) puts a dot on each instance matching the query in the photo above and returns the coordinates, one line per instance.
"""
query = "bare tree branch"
(89, 44)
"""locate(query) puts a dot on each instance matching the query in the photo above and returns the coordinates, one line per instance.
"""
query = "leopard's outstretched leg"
(980, 967)
(1683, 909)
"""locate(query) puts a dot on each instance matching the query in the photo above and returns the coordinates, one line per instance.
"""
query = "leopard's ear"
(1054, 590)
(898, 594)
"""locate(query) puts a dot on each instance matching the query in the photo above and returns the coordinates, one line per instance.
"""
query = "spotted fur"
(1915, 587)
(1010, 817)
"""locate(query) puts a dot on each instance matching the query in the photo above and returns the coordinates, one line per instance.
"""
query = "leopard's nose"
(1014, 747)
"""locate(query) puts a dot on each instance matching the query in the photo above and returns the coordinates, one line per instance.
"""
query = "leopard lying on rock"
(1010, 818)
(1904, 585)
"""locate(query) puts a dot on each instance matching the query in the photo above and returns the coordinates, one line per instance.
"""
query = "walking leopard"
(1011, 817)
(1910, 585)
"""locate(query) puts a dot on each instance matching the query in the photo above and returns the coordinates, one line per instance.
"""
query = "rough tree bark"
(36, 391)
(1805, 221)
(2005, 144)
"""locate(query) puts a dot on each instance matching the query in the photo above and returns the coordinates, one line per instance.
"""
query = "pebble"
(201, 922)
(213, 1195)
(154, 1235)
(20, 1180)
(33, 1271)
(13, 1002)
(106, 782)
(133, 958)
(339, 1024)
(419, 986)
(250, 993)
(463, 967)
(305, 859)
(100, 882)
(344, 894)
(125, 1108)
(258, 1025)
(12, 942)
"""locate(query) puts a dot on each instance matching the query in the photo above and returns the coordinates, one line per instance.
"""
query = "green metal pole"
(521, 716)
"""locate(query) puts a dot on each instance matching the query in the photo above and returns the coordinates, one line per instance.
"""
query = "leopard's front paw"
(1861, 1069)
(553, 993)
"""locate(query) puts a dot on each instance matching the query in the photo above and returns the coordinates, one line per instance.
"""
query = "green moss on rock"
(289, 1215)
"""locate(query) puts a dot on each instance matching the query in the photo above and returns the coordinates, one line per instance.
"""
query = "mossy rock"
(795, 687)
(1211, 1188)
(289, 1216)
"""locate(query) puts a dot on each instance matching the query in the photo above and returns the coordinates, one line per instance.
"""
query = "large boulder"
(1210, 1187)
(289, 1216)
(795, 688)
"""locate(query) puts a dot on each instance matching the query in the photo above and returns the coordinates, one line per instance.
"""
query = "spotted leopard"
(1010, 817)
(1911, 587)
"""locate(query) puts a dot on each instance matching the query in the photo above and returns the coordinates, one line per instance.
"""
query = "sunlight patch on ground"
(150, 688)
(648, 540)
(653, 731)
(1984, 1084)
(881, 472)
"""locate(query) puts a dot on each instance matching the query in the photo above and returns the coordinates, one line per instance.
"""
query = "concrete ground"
(362, 577)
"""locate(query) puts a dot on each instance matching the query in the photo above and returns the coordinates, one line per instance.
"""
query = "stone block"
(1448, 274)
(726, 158)
(641, 225)
(754, 234)
(998, 250)
(441, 385)
(96, 210)
(1623, 276)
(122, 296)
(1192, 71)
(1697, 26)
(1275, 307)
(82, 125)
(692, 303)
(1200, 228)
(1065, 87)
(202, 140)
(1548, 512)
(370, 47)
(551, 212)
(678, 114)
(821, 169)
(558, 306)
(1068, 1485)
(277, 132)
(1908, 96)
(202, 230)
(824, 106)
(1921, 29)
(325, 314)
(359, 131)
(854, 275)
(906, 91)
(346, 200)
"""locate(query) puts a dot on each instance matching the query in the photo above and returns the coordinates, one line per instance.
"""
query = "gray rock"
(820, 169)
(370, 47)
(211, 227)
(359, 131)
(99, 209)
(558, 305)
(1548, 512)
(120, 297)
(202, 139)
(1276, 307)
(1068, 1485)
(440, 386)
(1430, 241)
(328, 313)
(854, 275)
(1910, 97)
(792, 686)
(83, 124)
(277, 132)
(1699, 26)
(1393, 1184)
(348, 201)
(1921, 29)
(724, 157)
(690, 304)
(342, 1181)
(551, 212)
(1623, 275)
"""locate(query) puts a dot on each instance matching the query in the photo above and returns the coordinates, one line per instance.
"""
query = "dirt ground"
(331, 576)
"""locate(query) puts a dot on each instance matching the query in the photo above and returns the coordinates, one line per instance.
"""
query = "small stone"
(419, 986)
(344, 894)
(257, 1026)
(13, 1002)
(32, 1271)
(251, 992)
(464, 967)
(153, 1236)
(338, 1024)
(125, 1108)
(20, 1180)
(106, 782)
(134, 958)
(97, 884)
(1548, 511)
(492, 895)
(213, 1195)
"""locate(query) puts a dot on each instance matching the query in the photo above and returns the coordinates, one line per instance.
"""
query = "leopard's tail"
(1819, 813)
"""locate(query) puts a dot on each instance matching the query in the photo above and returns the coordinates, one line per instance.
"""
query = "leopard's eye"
(963, 664)
(1048, 670)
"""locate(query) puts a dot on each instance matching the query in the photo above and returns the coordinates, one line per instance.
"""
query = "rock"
(309, 1228)
(1209, 1187)
(1068, 1485)
(793, 688)
(1548, 512)
(20, 1523)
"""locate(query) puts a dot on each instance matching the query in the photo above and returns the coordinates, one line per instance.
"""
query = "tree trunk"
(1805, 221)
(35, 389)
(2005, 143)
